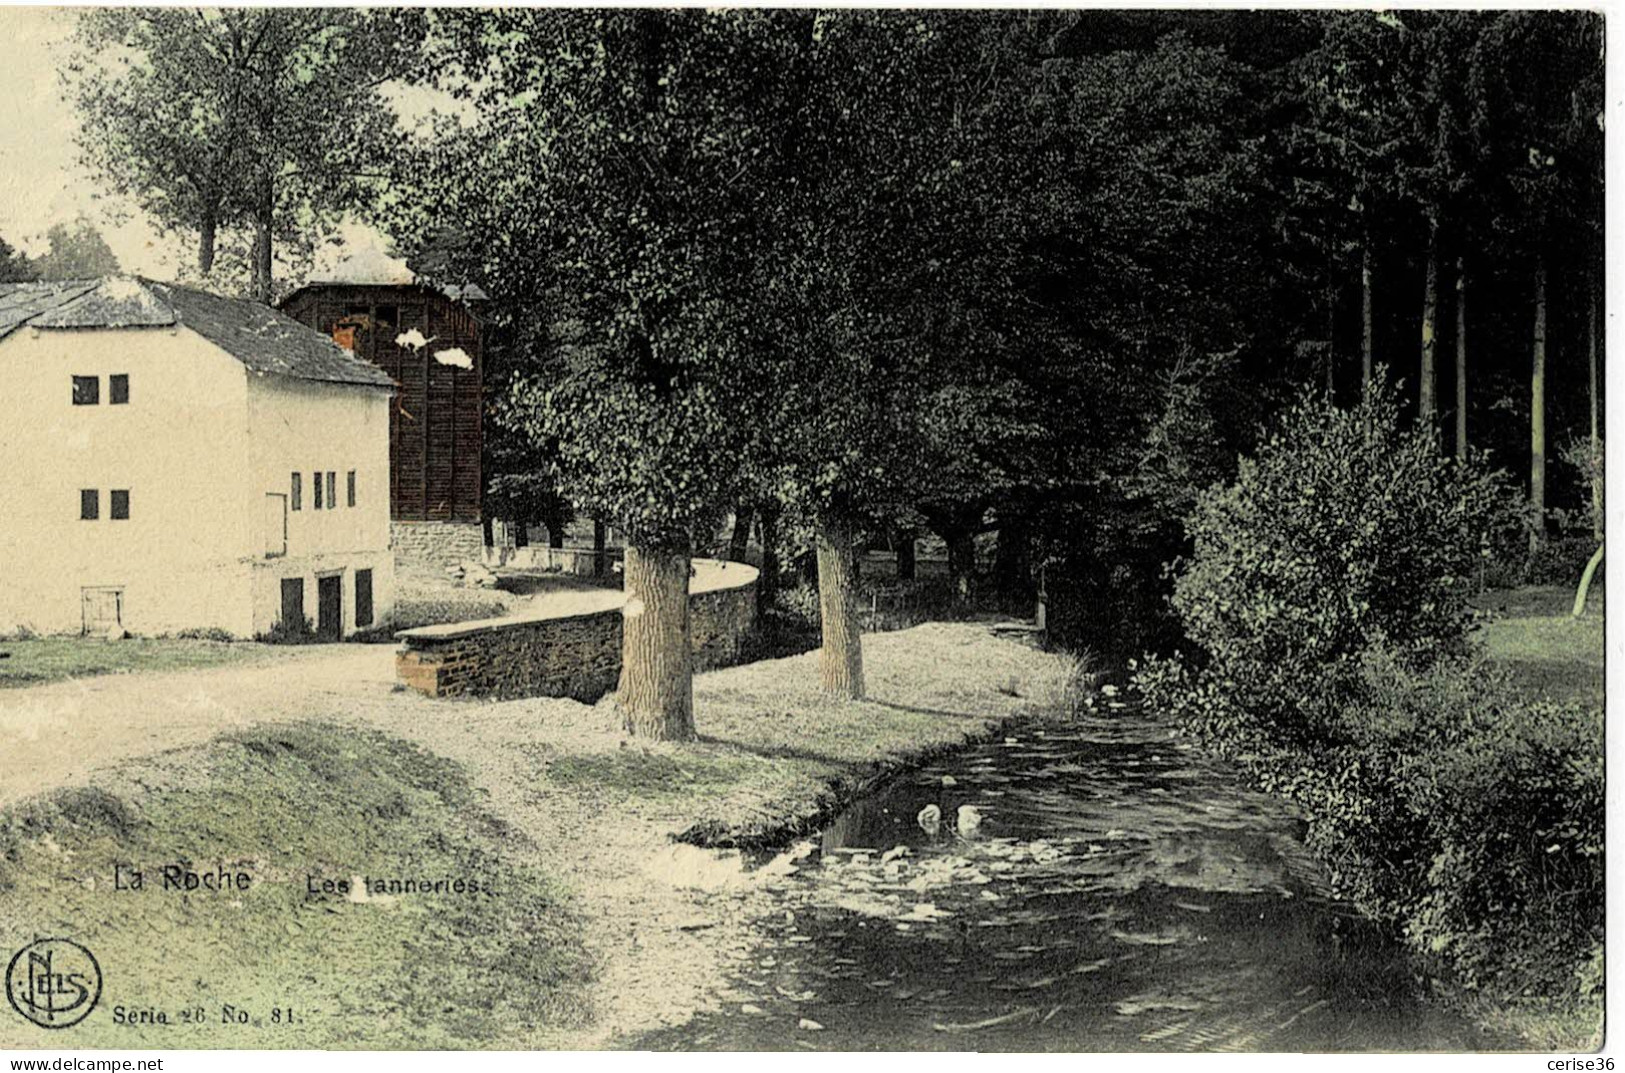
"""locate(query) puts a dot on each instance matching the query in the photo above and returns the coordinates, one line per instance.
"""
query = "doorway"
(103, 609)
(293, 604)
(330, 608)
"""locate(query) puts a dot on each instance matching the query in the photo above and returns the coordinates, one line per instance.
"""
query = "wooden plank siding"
(435, 426)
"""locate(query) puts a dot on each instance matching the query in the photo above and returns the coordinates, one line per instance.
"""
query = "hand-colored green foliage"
(1327, 592)
(1344, 531)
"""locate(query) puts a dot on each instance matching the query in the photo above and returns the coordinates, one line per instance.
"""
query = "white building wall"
(310, 428)
(182, 559)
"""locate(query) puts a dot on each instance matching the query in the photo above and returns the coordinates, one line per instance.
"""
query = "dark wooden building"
(430, 343)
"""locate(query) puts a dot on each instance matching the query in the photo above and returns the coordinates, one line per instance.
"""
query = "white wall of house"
(176, 446)
(197, 447)
(308, 428)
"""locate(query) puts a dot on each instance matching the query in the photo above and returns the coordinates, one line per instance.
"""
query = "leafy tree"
(267, 119)
(613, 179)
(14, 266)
(888, 279)
(75, 252)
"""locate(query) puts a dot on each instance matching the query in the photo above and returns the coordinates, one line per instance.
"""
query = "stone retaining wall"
(430, 547)
(574, 649)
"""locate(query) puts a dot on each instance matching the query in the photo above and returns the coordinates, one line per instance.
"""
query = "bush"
(1327, 592)
(290, 633)
(205, 633)
(1443, 802)
(1343, 532)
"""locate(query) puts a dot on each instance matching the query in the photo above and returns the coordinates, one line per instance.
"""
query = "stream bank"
(1096, 884)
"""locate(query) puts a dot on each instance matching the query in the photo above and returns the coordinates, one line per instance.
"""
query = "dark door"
(330, 608)
(363, 598)
(293, 603)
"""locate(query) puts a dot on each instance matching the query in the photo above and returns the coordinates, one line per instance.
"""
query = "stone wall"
(430, 547)
(569, 652)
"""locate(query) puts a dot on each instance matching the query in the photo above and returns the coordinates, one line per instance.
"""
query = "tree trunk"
(1426, 390)
(1537, 411)
(1596, 431)
(1461, 361)
(521, 534)
(961, 563)
(1013, 563)
(767, 586)
(739, 542)
(656, 697)
(1585, 582)
(598, 541)
(555, 536)
(261, 268)
(206, 242)
(841, 660)
(1367, 326)
(907, 561)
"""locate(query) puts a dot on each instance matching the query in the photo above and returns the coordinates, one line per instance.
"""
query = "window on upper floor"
(296, 490)
(316, 489)
(332, 489)
(118, 389)
(90, 504)
(349, 487)
(86, 390)
(118, 504)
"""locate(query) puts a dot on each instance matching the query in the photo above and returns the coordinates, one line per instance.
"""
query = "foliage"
(1343, 532)
(1327, 592)
(221, 119)
(611, 174)
(298, 632)
(76, 252)
(14, 266)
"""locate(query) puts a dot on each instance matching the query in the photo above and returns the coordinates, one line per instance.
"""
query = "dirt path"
(60, 733)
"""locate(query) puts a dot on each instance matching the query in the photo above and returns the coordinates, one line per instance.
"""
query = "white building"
(179, 460)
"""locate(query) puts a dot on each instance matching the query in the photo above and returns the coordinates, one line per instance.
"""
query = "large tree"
(614, 177)
(267, 120)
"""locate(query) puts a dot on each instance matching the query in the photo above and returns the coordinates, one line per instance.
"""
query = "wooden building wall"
(435, 436)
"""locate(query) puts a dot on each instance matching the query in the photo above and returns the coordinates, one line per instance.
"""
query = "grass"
(779, 756)
(1552, 656)
(1529, 632)
(501, 967)
(36, 660)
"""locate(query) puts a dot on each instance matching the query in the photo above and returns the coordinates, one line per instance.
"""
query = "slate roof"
(263, 339)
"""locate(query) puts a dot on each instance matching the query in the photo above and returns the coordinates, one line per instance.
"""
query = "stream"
(1120, 892)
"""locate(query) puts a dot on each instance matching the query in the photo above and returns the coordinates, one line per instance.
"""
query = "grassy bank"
(546, 793)
(292, 808)
(37, 660)
(1529, 632)
(1551, 656)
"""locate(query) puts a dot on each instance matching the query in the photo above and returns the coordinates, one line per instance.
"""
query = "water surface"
(1121, 892)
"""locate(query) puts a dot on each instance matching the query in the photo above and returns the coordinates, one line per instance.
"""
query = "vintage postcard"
(777, 529)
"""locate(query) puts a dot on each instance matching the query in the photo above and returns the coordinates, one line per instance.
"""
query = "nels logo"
(55, 983)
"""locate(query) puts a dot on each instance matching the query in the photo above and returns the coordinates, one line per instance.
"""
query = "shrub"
(1327, 594)
(1343, 532)
(286, 633)
(205, 633)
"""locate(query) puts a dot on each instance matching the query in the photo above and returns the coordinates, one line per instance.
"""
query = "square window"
(316, 490)
(86, 390)
(118, 504)
(349, 482)
(332, 489)
(89, 504)
(296, 491)
(118, 389)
